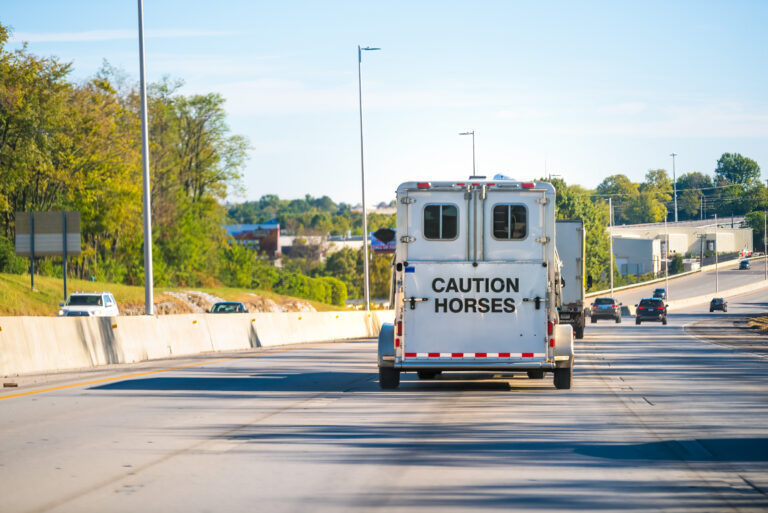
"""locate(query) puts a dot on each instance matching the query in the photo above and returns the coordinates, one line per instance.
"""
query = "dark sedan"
(651, 309)
(718, 303)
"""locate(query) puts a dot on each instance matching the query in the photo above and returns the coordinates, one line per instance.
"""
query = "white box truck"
(570, 251)
(476, 282)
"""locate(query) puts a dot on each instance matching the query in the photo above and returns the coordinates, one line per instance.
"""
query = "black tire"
(389, 377)
(593, 320)
(427, 374)
(725, 310)
(664, 321)
(579, 332)
(637, 321)
(536, 374)
(563, 378)
(618, 320)
(712, 310)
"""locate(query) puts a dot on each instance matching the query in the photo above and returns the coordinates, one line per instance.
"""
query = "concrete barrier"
(46, 344)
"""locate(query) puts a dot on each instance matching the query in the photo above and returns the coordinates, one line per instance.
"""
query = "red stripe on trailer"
(504, 355)
(527, 355)
(457, 355)
(433, 355)
(481, 355)
(410, 355)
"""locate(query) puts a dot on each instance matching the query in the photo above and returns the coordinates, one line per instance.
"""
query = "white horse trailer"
(476, 283)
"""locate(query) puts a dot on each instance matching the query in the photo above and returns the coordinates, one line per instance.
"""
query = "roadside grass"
(16, 298)
(759, 322)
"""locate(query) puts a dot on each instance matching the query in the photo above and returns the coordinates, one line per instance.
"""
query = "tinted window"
(441, 222)
(84, 301)
(650, 302)
(509, 222)
(604, 301)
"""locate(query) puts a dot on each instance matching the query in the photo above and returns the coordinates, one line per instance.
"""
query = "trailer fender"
(563, 345)
(387, 345)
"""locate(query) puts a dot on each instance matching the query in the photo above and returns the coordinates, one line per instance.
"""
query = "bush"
(9, 262)
(676, 266)
(338, 291)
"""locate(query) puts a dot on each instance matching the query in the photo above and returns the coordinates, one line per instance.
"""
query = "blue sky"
(581, 89)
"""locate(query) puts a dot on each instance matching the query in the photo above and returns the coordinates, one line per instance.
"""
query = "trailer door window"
(441, 222)
(509, 222)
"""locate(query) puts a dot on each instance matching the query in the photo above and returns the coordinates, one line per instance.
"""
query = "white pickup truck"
(476, 282)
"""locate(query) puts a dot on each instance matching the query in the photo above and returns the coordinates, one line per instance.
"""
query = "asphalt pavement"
(658, 419)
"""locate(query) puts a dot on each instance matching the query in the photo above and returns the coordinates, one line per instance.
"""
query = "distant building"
(264, 237)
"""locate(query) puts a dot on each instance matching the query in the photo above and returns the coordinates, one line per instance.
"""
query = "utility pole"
(148, 292)
(701, 210)
(666, 255)
(717, 276)
(765, 243)
(610, 237)
(674, 181)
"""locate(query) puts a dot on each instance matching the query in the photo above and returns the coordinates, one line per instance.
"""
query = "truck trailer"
(570, 251)
(476, 282)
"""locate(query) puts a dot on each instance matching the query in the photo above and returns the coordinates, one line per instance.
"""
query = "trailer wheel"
(427, 374)
(563, 378)
(536, 374)
(389, 377)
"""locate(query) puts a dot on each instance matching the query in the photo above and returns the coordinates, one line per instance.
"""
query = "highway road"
(698, 284)
(658, 419)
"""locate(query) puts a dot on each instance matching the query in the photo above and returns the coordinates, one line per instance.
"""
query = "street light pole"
(765, 243)
(666, 255)
(472, 133)
(717, 276)
(366, 286)
(610, 238)
(148, 292)
(674, 182)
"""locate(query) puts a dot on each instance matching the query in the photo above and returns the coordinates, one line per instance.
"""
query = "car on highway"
(718, 303)
(605, 308)
(744, 264)
(89, 304)
(651, 309)
(229, 307)
(660, 293)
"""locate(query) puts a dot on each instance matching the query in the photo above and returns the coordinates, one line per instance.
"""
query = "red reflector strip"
(397, 342)
(423, 185)
(400, 329)
(550, 327)
(504, 355)
(527, 355)
(528, 185)
(475, 355)
(410, 355)
(457, 355)
(459, 183)
(433, 355)
(490, 184)
(481, 355)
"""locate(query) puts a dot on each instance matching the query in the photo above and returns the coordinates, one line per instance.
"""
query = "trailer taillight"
(400, 328)
(550, 327)
(551, 342)
(528, 185)
(423, 185)
(397, 342)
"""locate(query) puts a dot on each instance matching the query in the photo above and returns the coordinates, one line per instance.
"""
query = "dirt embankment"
(759, 322)
(192, 301)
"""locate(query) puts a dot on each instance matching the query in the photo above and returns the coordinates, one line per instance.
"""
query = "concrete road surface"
(698, 284)
(657, 420)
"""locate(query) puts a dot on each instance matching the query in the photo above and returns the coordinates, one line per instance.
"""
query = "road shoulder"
(732, 331)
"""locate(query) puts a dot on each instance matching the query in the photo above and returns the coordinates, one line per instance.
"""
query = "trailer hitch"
(413, 300)
(536, 300)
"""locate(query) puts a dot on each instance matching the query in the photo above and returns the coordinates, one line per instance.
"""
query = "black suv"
(744, 264)
(605, 308)
(651, 309)
(660, 293)
(718, 303)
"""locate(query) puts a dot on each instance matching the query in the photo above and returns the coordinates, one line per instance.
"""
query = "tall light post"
(366, 273)
(148, 293)
(666, 255)
(610, 238)
(674, 181)
(717, 276)
(765, 243)
(472, 133)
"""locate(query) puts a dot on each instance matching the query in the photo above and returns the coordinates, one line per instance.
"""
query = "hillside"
(16, 298)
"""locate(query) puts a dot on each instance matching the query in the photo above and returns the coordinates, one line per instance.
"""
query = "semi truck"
(476, 283)
(570, 251)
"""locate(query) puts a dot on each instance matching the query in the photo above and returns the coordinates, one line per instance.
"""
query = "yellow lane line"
(147, 373)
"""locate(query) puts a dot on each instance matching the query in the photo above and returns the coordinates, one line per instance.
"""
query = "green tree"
(623, 191)
(733, 168)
